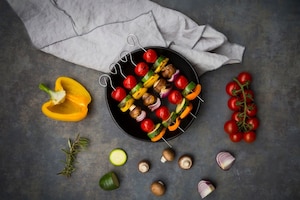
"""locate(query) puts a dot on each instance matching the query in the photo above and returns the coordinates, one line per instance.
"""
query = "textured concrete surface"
(30, 143)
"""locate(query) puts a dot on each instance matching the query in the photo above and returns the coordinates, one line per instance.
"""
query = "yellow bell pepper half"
(75, 105)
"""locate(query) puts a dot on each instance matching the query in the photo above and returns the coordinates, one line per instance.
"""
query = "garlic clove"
(205, 188)
(225, 160)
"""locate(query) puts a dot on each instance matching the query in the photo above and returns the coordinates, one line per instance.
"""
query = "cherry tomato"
(129, 82)
(234, 103)
(231, 127)
(244, 77)
(175, 97)
(147, 125)
(141, 69)
(251, 110)
(249, 94)
(236, 137)
(249, 136)
(162, 112)
(181, 82)
(150, 56)
(237, 116)
(233, 89)
(118, 94)
(253, 122)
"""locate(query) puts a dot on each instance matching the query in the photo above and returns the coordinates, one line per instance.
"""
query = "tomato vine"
(241, 101)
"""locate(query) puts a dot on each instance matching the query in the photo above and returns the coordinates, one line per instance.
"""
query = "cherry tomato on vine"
(234, 103)
(249, 94)
(249, 136)
(251, 110)
(233, 89)
(253, 122)
(244, 77)
(237, 116)
(231, 127)
(236, 137)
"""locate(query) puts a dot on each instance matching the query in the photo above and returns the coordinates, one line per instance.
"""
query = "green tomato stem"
(244, 126)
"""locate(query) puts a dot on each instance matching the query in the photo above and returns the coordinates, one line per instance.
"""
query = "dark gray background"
(30, 143)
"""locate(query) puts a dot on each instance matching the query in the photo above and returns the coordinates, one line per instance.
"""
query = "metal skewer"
(193, 115)
(200, 99)
(180, 129)
(166, 142)
(132, 40)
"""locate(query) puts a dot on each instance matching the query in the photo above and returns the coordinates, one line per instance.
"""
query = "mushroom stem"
(168, 154)
(185, 162)
(163, 159)
(144, 166)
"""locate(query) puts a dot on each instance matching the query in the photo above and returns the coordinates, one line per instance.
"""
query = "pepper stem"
(57, 97)
(44, 88)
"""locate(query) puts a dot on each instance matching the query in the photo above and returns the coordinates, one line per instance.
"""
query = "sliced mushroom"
(158, 188)
(185, 162)
(168, 154)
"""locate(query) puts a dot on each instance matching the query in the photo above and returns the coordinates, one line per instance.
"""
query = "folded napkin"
(93, 33)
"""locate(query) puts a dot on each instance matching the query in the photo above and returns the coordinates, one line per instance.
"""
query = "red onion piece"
(141, 116)
(174, 76)
(205, 188)
(155, 105)
(225, 160)
(165, 92)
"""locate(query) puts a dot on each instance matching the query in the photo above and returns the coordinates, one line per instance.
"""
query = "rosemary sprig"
(74, 147)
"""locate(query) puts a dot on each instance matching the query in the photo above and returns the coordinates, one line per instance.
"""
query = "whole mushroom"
(185, 162)
(168, 154)
(143, 166)
(158, 188)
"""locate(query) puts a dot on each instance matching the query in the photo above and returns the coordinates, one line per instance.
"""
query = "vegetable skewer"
(119, 94)
(168, 71)
(160, 85)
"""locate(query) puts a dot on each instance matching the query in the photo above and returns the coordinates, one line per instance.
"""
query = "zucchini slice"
(118, 157)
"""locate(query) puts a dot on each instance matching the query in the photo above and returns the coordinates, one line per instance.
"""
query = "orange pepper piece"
(195, 93)
(186, 111)
(75, 105)
(176, 124)
(159, 136)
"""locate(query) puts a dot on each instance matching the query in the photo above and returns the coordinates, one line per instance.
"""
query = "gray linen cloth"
(93, 33)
